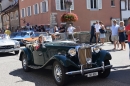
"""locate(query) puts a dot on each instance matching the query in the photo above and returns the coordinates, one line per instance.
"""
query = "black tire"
(106, 73)
(62, 81)
(16, 52)
(25, 63)
(110, 39)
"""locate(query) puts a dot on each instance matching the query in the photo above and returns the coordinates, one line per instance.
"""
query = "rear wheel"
(25, 63)
(106, 73)
(59, 74)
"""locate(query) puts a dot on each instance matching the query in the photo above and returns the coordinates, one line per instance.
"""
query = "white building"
(125, 10)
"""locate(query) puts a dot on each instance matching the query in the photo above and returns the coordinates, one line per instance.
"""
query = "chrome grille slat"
(7, 47)
(84, 53)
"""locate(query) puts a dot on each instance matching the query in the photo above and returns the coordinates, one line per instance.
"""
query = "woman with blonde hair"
(102, 32)
(122, 36)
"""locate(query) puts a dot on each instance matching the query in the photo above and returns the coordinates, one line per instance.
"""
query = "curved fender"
(101, 56)
(66, 62)
(28, 54)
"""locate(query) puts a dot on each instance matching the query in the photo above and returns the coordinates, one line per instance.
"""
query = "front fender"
(101, 56)
(28, 54)
(65, 61)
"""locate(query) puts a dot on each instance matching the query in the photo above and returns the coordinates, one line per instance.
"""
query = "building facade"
(36, 12)
(125, 10)
(10, 14)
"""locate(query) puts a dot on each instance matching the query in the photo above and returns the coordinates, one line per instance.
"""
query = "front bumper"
(9, 50)
(85, 71)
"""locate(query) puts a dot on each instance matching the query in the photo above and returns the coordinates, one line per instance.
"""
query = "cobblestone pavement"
(11, 73)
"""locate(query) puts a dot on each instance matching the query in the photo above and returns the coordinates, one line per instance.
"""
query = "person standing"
(128, 33)
(92, 33)
(70, 31)
(102, 32)
(122, 36)
(97, 27)
(114, 35)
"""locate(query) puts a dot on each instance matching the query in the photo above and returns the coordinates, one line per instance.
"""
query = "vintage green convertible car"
(67, 58)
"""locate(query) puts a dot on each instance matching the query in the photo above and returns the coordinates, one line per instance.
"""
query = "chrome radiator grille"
(7, 47)
(83, 54)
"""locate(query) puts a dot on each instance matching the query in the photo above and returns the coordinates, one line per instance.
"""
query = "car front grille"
(7, 47)
(83, 54)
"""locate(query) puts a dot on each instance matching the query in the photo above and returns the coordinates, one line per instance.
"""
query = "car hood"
(31, 39)
(20, 37)
(6, 42)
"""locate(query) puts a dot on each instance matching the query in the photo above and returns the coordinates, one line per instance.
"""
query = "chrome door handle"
(40, 54)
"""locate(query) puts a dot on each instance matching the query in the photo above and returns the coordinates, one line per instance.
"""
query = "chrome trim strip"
(88, 70)
(9, 50)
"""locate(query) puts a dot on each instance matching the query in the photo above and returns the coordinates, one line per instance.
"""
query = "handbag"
(102, 31)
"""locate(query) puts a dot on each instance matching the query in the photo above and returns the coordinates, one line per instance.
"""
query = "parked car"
(19, 36)
(35, 36)
(8, 45)
(67, 58)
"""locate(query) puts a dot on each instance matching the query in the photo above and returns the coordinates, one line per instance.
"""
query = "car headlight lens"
(89, 60)
(96, 49)
(72, 52)
(17, 45)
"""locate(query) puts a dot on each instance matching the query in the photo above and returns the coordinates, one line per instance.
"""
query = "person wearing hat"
(7, 31)
(114, 34)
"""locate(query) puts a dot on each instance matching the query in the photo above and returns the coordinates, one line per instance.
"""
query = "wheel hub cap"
(58, 73)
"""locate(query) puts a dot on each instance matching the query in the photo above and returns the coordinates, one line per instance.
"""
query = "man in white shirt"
(70, 31)
(97, 27)
(114, 34)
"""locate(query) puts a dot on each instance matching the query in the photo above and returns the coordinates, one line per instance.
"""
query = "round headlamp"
(89, 60)
(72, 52)
(96, 49)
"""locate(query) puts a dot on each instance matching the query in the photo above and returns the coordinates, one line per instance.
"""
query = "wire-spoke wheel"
(25, 63)
(59, 74)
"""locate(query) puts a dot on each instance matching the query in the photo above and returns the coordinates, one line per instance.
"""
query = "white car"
(8, 45)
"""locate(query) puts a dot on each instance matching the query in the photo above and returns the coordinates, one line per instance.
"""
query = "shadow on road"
(6, 54)
(45, 78)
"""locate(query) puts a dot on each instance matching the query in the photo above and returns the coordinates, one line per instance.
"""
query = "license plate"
(92, 74)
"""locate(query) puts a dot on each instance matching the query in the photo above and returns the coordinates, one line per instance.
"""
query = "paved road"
(11, 73)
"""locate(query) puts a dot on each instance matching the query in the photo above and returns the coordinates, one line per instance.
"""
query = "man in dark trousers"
(92, 33)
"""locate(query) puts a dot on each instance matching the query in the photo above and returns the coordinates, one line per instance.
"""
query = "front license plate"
(92, 74)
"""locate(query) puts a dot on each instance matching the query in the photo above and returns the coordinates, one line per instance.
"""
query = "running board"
(35, 67)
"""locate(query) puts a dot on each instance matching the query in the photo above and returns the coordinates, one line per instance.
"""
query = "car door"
(38, 55)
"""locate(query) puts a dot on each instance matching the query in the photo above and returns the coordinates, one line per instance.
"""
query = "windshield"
(19, 34)
(4, 36)
(37, 34)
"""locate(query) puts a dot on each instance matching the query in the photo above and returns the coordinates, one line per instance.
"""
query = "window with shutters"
(16, 14)
(44, 6)
(36, 9)
(60, 5)
(112, 2)
(23, 12)
(29, 11)
(123, 4)
(11, 15)
(94, 4)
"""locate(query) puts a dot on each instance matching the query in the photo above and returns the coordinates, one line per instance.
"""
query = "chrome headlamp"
(72, 52)
(17, 44)
(89, 60)
(96, 49)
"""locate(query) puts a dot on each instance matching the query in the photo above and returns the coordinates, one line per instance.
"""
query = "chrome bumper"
(84, 71)
(9, 50)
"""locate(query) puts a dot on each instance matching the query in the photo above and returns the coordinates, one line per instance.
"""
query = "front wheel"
(106, 73)
(59, 74)
(25, 63)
